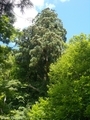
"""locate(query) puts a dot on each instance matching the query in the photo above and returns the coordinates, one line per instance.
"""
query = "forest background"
(44, 77)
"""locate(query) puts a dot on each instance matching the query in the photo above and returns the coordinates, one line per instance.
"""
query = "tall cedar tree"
(39, 46)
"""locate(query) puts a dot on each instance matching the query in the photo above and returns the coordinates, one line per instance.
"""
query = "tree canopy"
(69, 90)
(40, 45)
(44, 78)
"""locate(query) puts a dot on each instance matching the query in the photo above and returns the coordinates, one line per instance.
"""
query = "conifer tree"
(40, 45)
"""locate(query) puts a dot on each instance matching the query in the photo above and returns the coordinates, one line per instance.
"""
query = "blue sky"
(75, 14)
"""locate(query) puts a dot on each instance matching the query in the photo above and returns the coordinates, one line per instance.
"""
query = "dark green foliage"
(11, 93)
(40, 45)
(6, 29)
(12, 99)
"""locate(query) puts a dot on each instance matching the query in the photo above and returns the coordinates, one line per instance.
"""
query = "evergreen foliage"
(40, 45)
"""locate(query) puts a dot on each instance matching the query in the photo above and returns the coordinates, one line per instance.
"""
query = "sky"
(75, 15)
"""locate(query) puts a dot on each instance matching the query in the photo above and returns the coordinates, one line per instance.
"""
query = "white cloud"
(38, 3)
(25, 19)
(49, 5)
(64, 0)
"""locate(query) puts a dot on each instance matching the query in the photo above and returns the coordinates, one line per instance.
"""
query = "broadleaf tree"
(69, 89)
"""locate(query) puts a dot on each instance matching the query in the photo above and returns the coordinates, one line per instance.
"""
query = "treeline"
(45, 78)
